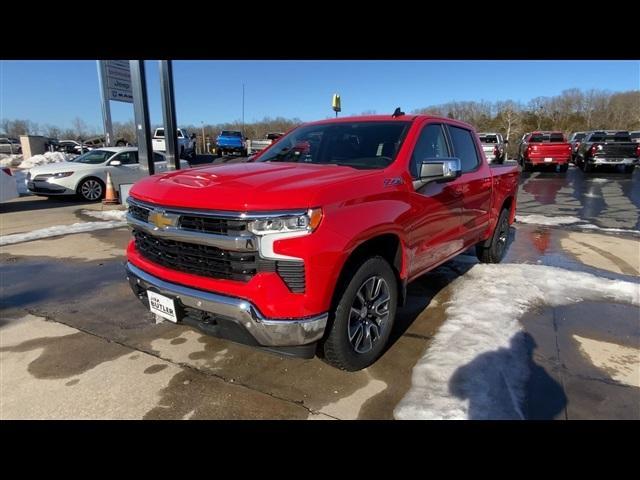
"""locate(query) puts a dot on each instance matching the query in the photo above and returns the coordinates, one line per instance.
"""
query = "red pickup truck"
(545, 148)
(311, 245)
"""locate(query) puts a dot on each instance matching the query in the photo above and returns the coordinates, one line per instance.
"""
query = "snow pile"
(568, 220)
(549, 221)
(477, 366)
(10, 160)
(47, 157)
(106, 214)
(58, 230)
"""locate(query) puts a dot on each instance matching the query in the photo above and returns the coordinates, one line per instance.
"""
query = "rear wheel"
(363, 317)
(564, 168)
(494, 252)
(628, 169)
(587, 167)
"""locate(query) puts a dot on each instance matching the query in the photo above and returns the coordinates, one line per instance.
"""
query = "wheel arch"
(388, 246)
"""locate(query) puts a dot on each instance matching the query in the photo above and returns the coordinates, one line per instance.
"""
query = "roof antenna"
(397, 112)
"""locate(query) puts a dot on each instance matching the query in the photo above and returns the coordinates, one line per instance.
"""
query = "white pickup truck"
(254, 146)
(186, 145)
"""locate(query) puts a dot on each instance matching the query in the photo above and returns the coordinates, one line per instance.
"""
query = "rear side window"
(432, 143)
(464, 148)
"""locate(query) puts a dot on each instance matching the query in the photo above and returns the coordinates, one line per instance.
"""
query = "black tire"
(243, 153)
(494, 252)
(628, 169)
(564, 168)
(339, 351)
(85, 188)
(587, 167)
(527, 167)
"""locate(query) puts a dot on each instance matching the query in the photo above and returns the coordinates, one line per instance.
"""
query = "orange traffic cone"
(111, 197)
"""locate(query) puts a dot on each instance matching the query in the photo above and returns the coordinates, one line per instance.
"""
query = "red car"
(311, 245)
(545, 148)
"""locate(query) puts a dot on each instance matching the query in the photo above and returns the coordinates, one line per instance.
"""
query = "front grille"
(196, 259)
(221, 226)
(138, 212)
(293, 275)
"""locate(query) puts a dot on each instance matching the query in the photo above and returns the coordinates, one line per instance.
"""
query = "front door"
(434, 221)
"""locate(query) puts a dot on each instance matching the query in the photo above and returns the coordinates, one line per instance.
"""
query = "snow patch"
(58, 230)
(477, 365)
(46, 158)
(568, 220)
(106, 214)
(544, 220)
(590, 226)
(10, 160)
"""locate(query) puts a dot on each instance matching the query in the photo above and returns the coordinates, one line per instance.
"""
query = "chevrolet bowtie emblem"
(161, 219)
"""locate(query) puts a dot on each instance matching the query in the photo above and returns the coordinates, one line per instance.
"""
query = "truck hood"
(245, 186)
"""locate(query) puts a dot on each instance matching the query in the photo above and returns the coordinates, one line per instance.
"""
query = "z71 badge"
(389, 182)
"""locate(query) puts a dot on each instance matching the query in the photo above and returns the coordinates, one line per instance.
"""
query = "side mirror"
(440, 169)
(115, 163)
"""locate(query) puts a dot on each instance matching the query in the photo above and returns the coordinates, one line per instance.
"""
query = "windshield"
(365, 145)
(579, 136)
(488, 139)
(94, 157)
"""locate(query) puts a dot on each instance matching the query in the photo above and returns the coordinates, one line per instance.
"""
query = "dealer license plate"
(163, 306)
(548, 159)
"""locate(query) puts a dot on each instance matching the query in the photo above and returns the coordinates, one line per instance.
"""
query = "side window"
(158, 157)
(128, 158)
(464, 148)
(431, 143)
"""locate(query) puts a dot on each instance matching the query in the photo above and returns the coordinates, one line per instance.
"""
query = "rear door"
(473, 186)
(433, 228)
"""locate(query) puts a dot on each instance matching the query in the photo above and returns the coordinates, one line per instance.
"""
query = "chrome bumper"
(613, 161)
(267, 332)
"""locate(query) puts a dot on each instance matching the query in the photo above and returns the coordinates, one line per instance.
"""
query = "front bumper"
(48, 188)
(254, 328)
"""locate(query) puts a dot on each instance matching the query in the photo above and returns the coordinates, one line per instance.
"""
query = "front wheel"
(91, 189)
(494, 252)
(363, 317)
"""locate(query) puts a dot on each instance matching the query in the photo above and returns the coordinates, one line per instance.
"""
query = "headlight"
(307, 222)
(49, 176)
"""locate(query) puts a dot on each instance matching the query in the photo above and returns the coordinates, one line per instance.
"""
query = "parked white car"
(8, 185)
(86, 175)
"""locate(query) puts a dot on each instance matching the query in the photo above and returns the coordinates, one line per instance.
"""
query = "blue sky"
(55, 92)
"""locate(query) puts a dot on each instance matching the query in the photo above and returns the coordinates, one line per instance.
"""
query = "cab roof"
(390, 118)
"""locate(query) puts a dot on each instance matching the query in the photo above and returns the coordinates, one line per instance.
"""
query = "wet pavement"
(75, 343)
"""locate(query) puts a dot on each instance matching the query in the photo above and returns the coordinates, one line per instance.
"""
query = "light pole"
(243, 109)
(204, 148)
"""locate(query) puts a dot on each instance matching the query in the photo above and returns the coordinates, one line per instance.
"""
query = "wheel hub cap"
(369, 314)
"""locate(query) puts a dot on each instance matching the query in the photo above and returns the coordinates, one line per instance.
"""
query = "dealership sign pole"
(169, 114)
(141, 115)
(114, 77)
